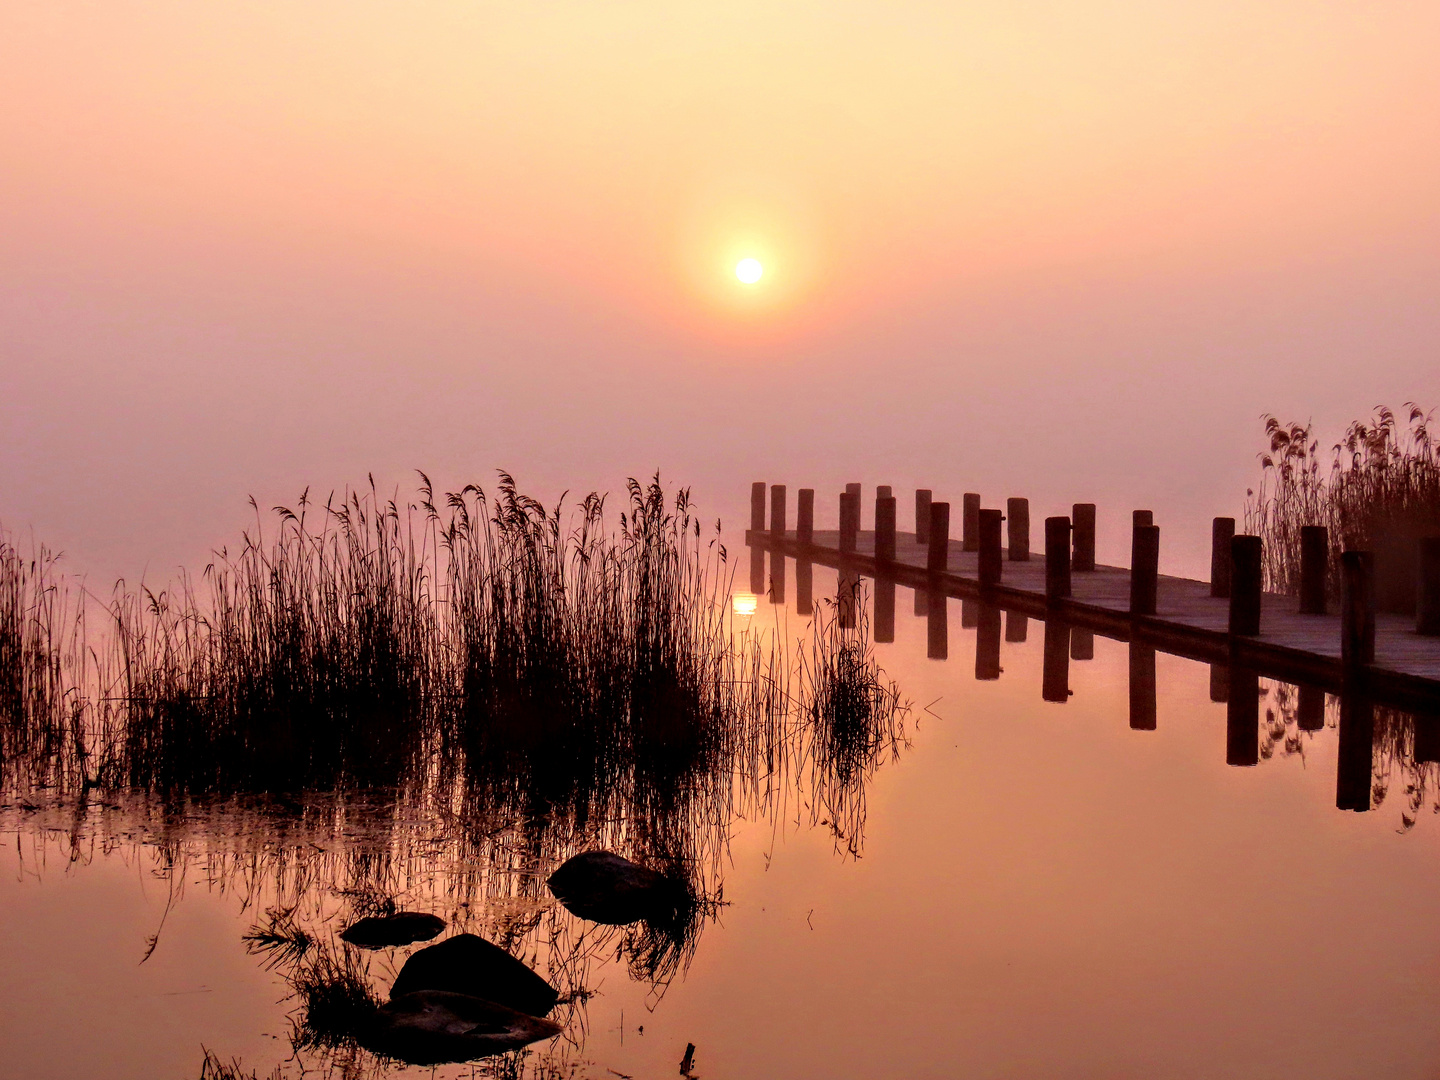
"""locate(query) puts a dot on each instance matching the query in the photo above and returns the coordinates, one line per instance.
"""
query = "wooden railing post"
(777, 511)
(805, 517)
(1142, 517)
(991, 560)
(1144, 569)
(1084, 536)
(1357, 614)
(757, 506)
(970, 522)
(938, 556)
(1314, 557)
(885, 529)
(1222, 531)
(923, 498)
(1427, 587)
(1057, 560)
(1245, 582)
(1017, 529)
(849, 520)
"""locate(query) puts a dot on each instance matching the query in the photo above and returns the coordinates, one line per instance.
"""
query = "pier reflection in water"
(1403, 737)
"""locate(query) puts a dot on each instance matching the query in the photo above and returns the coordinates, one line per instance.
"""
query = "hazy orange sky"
(1063, 249)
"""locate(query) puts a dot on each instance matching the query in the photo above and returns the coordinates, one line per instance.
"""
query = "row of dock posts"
(1237, 574)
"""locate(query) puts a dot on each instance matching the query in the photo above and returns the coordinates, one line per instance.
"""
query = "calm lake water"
(1026, 889)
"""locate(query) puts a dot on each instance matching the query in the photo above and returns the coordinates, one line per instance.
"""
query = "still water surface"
(1029, 889)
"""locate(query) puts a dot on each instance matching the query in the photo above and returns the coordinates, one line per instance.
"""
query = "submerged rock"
(386, 931)
(433, 1027)
(608, 888)
(470, 965)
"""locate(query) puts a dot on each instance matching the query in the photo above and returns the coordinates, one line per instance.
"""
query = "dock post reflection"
(1427, 738)
(1242, 718)
(757, 571)
(804, 568)
(1219, 682)
(884, 609)
(1310, 708)
(937, 626)
(987, 643)
(1082, 644)
(1055, 684)
(1357, 750)
(969, 614)
(1142, 687)
(1017, 626)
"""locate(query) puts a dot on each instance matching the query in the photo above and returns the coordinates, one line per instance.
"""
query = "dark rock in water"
(470, 965)
(385, 931)
(607, 888)
(432, 1027)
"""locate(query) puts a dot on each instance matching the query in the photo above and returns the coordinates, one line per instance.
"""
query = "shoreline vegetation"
(1381, 493)
(434, 706)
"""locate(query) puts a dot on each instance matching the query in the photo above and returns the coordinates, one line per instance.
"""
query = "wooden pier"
(1352, 649)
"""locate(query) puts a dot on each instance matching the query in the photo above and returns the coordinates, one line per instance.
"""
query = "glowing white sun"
(749, 270)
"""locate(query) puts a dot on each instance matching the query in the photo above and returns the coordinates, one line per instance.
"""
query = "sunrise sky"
(1045, 248)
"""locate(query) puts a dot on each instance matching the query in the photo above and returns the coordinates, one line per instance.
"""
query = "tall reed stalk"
(1381, 493)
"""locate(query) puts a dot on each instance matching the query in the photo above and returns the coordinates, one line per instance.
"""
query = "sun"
(749, 270)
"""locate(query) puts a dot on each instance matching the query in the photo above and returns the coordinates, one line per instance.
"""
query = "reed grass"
(1381, 493)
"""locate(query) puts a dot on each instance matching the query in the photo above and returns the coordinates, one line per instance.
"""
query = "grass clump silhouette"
(1381, 493)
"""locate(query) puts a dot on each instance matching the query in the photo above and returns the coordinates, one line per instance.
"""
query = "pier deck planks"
(1188, 621)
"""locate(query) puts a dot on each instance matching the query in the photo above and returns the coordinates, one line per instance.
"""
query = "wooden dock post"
(777, 532)
(849, 520)
(1357, 609)
(1222, 531)
(1242, 718)
(1082, 644)
(805, 516)
(1057, 558)
(1427, 587)
(1245, 581)
(1144, 568)
(854, 489)
(1310, 708)
(884, 491)
(937, 559)
(1314, 557)
(970, 522)
(923, 498)
(937, 625)
(1142, 517)
(991, 559)
(1017, 626)
(1083, 514)
(987, 644)
(1142, 686)
(1055, 677)
(757, 506)
(1357, 750)
(884, 529)
(885, 609)
(1017, 529)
